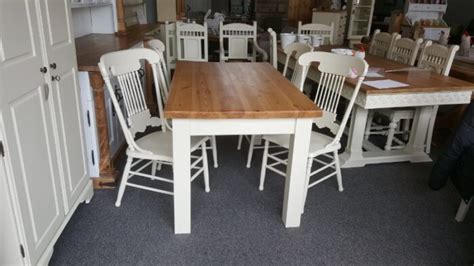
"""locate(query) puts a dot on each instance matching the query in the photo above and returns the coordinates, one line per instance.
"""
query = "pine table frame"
(237, 99)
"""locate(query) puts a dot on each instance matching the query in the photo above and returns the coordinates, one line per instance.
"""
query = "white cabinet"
(43, 139)
(360, 19)
(339, 18)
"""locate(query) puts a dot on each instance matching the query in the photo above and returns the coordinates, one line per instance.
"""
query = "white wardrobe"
(43, 164)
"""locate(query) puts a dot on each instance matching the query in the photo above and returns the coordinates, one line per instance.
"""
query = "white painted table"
(237, 99)
(426, 90)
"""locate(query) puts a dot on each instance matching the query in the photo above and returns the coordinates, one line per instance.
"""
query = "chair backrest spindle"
(334, 69)
(124, 66)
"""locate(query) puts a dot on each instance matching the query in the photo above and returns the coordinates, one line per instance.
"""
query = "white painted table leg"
(295, 173)
(353, 155)
(182, 176)
(417, 142)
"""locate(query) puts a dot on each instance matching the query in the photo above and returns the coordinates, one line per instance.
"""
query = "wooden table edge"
(242, 115)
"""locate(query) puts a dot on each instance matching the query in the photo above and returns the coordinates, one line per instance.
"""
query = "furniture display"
(424, 20)
(339, 18)
(43, 156)
(360, 20)
(153, 148)
(404, 51)
(105, 140)
(425, 90)
(334, 70)
(234, 41)
(271, 105)
(382, 43)
(325, 31)
(191, 40)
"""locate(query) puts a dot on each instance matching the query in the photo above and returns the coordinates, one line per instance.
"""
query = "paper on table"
(385, 84)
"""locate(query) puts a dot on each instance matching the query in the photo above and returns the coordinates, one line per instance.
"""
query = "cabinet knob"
(52, 66)
(44, 70)
(55, 78)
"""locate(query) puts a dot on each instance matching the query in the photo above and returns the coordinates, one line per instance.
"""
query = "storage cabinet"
(360, 19)
(339, 18)
(42, 128)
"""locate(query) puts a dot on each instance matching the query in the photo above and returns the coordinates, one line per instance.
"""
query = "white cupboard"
(43, 149)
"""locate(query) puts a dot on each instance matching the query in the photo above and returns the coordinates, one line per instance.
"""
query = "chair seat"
(317, 146)
(161, 145)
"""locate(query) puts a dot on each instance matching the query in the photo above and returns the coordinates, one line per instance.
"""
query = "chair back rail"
(326, 31)
(405, 50)
(437, 57)
(237, 37)
(192, 42)
(273, 57)
(297, 49)
(334, 69)
(124, 66)
(382, 43)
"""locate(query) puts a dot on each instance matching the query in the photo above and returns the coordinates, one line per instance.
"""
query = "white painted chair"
(192, 42)
(171, 45)
(326, 31)
(323, 149)
(236, 37)
(296, 49)
(159, 48)
(382, 43)
(154, 147)
(403, 50)
(273, 56)
(435, 57)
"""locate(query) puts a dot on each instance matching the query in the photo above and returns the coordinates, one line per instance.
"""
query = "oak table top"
(205, 90)
(418, 81)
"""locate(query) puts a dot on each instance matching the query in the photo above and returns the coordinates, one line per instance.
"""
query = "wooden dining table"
(237, 99)
(425, 90)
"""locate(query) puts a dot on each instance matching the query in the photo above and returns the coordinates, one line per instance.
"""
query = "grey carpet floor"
(386, 215)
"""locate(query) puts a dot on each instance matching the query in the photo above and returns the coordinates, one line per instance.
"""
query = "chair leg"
(462, 210)
(154, 165)
(214, 151)
(239, 144)
(309, 164)
(391, 133)
(406, 129)
(338, 172)
(368, 126)
(124, 181)
(250, 154)
(206, 167)
(264, 165)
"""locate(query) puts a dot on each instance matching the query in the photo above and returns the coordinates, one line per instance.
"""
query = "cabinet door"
(61, 56)
(29, 135)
